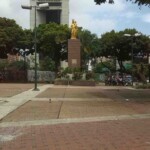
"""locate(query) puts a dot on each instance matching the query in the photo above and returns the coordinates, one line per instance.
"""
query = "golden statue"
(74, 29)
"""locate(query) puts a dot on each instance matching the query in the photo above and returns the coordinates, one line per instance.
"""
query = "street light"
(44, 5)
(134, 35)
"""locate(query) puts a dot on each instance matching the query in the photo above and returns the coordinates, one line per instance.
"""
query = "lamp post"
(130, 35)
(44, 5)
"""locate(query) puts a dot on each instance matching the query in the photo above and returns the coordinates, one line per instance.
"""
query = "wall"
(42, 76)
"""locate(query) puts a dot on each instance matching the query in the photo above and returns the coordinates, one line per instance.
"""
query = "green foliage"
(116, 45)
(89, 75)
(59, 75)
(77, 75)
(144, 86)
(10, 35)
(47, 64)
(67, 70)
(141, 71)
(3, 65)
(98, 68)
(26, 41)
(104, 67)
(51, 38)
(76, 69)
(87, 38)
(89, 46)
(17, 65)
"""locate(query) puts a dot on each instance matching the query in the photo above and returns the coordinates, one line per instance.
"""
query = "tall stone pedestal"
(74, 53)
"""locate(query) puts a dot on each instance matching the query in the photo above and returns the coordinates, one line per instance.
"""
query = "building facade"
(57, 12)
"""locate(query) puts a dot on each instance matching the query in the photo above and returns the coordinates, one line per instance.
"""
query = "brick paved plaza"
(77, 118)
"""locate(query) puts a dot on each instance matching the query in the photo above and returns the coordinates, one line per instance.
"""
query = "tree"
(18, 65)
(25, 44)
(89, 45)
(47, 64)
(86, 38)
(10, 34)
(3, 65)
(101, 67)
(26, 40)
(116, 45)
(52, 38)
(139, 2)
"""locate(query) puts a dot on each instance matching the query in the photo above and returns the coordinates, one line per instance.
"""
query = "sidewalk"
(77, 118)
(10, 104)
(105, 135)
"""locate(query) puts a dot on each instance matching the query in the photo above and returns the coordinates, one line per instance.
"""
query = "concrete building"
(57, 12)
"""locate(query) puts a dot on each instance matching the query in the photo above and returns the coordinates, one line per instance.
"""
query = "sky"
(98, 19)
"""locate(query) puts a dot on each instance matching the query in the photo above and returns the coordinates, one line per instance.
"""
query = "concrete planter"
(75, 83)
(82, 83)
(61, 82)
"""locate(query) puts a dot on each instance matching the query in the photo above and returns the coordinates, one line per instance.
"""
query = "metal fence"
(13, 76)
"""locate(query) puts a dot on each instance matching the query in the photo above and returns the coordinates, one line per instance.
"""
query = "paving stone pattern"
(34, 111)
(22, 129)
(8, 90)
(72, 93)
(106, 135)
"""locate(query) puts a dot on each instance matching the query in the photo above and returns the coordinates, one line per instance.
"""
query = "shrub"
(103, 67)
(67, 70)
(18, 65)
(89, 75)
(144, 86)
(47, 64)
(59, 75)
(3, 65)
(77, 75)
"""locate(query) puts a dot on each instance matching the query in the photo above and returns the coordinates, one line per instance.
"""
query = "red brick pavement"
(10, 89)
(105, 135)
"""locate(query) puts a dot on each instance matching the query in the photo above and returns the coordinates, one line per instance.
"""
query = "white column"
(32, 14)
(65, 12)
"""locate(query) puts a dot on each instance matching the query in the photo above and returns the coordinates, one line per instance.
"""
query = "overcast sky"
(97, 19)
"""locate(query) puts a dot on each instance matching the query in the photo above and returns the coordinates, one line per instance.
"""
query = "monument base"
(74, 53)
